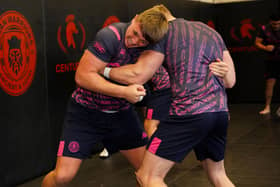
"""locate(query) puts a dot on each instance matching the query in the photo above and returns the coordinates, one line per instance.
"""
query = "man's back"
(190, 47)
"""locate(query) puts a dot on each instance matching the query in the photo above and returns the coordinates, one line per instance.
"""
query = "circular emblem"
(17, 53)
(110, 20)
(74, 147)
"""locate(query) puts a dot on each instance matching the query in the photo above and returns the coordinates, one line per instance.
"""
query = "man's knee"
(217, 176)
(63, 177)
(142, 178)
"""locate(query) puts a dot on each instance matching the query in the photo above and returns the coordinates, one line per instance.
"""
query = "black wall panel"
(238, 24)
(24, 117)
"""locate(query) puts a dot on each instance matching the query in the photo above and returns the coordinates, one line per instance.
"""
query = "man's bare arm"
(140, 72)
(224, 69)
(87, 77)
(260, 45)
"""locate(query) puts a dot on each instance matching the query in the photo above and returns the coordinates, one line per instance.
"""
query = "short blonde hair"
(153, 24)
(162, 8)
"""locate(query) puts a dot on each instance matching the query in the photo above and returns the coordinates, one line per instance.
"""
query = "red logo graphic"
(72, 30)
(244, 36)
(245, 30)
(211, 24)
(74, 147)
(110, 20)
(17, 53)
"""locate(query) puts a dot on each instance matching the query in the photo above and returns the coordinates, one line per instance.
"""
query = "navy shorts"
(272, 70)
(144, 101)
(158, 104)
(178, 135)
(84, 128)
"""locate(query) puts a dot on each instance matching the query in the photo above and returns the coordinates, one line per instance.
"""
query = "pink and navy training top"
(271, 37)
(189, 48)
(109, 46)
(160, 80)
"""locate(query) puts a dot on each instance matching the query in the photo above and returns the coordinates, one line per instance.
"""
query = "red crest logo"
(244, 30)
(110, 20)
(17, 53)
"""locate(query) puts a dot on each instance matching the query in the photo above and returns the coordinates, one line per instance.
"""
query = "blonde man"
(99, 109)
(200, 68)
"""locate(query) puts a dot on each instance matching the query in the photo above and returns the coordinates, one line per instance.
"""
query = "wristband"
(140, 98)
(106, 72)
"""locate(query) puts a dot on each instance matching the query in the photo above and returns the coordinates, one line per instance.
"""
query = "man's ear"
(135, 17)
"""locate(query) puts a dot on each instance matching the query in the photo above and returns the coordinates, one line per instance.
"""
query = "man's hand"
(269, 48)
(134, 92)
(219, 68)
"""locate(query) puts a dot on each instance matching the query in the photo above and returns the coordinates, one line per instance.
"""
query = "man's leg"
(216, 173)
(150, 126)
(65, 170)
(268, 95)
(134, 156)
(153, 170)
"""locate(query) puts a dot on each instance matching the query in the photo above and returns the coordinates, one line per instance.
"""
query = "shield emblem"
(14, 56)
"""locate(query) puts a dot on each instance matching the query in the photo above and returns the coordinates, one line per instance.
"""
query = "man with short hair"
(268, 39)
(99, 109)
(200, 68)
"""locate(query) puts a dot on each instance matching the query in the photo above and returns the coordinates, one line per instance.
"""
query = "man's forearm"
(230, 77)
(87, 76)
(259, 44)
(96, 83)
(140, 72)
(128, 74)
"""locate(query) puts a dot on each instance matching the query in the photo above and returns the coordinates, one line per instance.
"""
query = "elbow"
(137, 80)
(78, 79)
(230, 84)
(138, 77)
(141, 81)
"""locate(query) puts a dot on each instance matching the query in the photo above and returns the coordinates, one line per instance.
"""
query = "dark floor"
(252, 158)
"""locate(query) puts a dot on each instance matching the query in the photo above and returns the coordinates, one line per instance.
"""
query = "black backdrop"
(32, 121)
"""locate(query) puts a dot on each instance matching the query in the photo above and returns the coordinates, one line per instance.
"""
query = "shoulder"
(111, 30)
(266, 28)
(118, 29)
(112, 34)
(107, 41)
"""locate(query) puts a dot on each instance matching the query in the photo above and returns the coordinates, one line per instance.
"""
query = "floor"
(252, 158)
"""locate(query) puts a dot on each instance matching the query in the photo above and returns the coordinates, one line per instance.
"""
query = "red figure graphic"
(232, 33)
(245, 28)
(71, 29)
(211, 24)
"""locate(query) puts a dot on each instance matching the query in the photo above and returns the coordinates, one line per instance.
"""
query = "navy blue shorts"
(84, 128)
(158, 104)
(176, 136)
(144, 101)
(272, 70)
